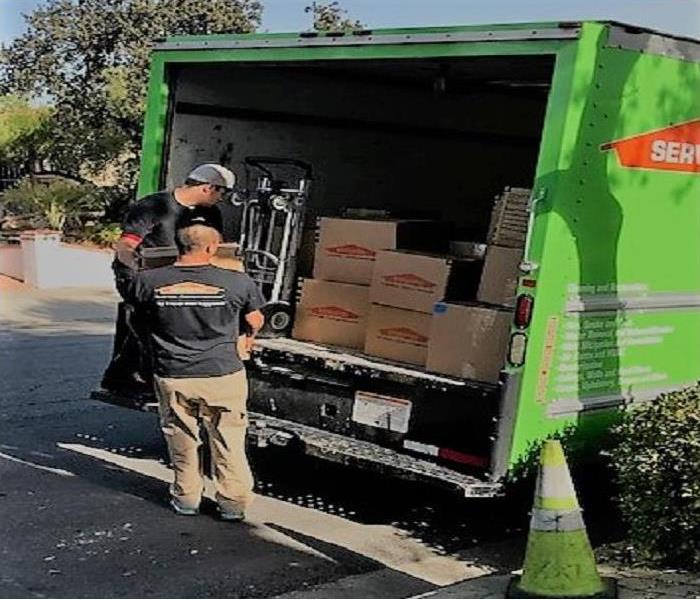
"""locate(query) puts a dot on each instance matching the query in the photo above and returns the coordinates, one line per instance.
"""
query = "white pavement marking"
(386, 545)
(35, 466)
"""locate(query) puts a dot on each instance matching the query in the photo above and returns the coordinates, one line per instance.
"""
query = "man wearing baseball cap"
(192, 310)
(151, 223)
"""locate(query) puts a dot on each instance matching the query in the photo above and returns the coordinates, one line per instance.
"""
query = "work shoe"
(183, 509)
(127, 387)
(228, 511)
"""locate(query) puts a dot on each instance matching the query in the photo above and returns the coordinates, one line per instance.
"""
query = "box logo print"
(352, 251)
(674, 148)
(409, 281)
(334, 313)
(403, 335)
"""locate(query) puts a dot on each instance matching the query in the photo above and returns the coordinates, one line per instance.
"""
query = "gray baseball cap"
(213, 174)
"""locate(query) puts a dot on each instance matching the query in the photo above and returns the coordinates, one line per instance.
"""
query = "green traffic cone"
(559, 561)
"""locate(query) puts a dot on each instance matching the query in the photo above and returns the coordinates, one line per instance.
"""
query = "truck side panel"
(615, 243)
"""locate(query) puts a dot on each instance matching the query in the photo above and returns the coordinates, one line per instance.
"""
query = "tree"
(23, 130)
(331, 17)
(90, 58)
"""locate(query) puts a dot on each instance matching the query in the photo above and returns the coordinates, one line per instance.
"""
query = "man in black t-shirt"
(151, 223)
(192, 309)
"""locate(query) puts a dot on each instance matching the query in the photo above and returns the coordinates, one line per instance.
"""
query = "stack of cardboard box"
(377, 288)
(334, 306)
(506, 242)
(470, 339)
(405, 287)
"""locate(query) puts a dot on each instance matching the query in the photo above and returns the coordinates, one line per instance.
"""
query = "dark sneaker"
(129, 387)
(230, 512)
(183, 509)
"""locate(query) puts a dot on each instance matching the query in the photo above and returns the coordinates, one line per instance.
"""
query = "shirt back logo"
(190, 293)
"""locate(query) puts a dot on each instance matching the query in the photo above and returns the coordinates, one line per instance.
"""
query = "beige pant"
(219, 403)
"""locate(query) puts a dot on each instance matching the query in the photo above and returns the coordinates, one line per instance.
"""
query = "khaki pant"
(219, 403)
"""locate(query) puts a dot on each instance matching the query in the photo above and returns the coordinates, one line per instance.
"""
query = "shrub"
(657, 462)
(57, 201)
(104, 234)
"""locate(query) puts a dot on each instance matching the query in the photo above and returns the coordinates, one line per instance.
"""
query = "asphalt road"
(83, 495)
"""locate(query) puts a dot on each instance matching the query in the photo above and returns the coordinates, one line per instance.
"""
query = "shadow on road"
(74, 473)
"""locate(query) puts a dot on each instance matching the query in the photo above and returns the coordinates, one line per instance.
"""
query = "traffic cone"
(559, 561)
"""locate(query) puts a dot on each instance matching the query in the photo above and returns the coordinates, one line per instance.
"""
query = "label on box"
(352, 251)
(334, 313)
(409, 281)
(384, 412)
(403, 335)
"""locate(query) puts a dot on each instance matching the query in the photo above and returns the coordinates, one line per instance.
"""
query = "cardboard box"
(227, 257)
(499, 280)
(332, 313)
(398, 334)
(347, 248)
(407, 279)
(469, 340)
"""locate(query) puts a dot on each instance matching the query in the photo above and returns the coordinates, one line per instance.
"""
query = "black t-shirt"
(151, 223)
(192, 313)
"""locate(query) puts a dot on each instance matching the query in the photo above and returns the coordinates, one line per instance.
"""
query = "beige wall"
(11, 260)
(41, 260)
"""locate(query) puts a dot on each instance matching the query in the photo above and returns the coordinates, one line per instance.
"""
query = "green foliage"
(58, 202)
(23, 129)
(657, 462)
(525, 469)
(102, 234)
(90, 58)
(331, 17)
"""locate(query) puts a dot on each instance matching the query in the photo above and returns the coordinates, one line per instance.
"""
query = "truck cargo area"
(432, 138)
(426, 137)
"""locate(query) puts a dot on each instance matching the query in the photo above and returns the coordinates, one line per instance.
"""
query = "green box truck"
(601, 120)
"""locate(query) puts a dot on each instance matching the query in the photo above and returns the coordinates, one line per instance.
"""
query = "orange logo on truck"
(336, 313)
(404, 335)
(351, 251)
(409, 280)
(674, 148)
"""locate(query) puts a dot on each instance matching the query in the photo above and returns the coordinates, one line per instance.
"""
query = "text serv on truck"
(588, 136)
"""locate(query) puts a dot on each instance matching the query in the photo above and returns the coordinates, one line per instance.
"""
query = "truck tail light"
(523, 310)
(447, 454)
(516, 349)
(461, 457)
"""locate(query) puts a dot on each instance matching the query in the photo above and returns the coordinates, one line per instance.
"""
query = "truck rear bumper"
(265, 432)
(269, 431)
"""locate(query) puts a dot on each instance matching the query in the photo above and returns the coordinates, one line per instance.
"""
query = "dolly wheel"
(278, 319)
